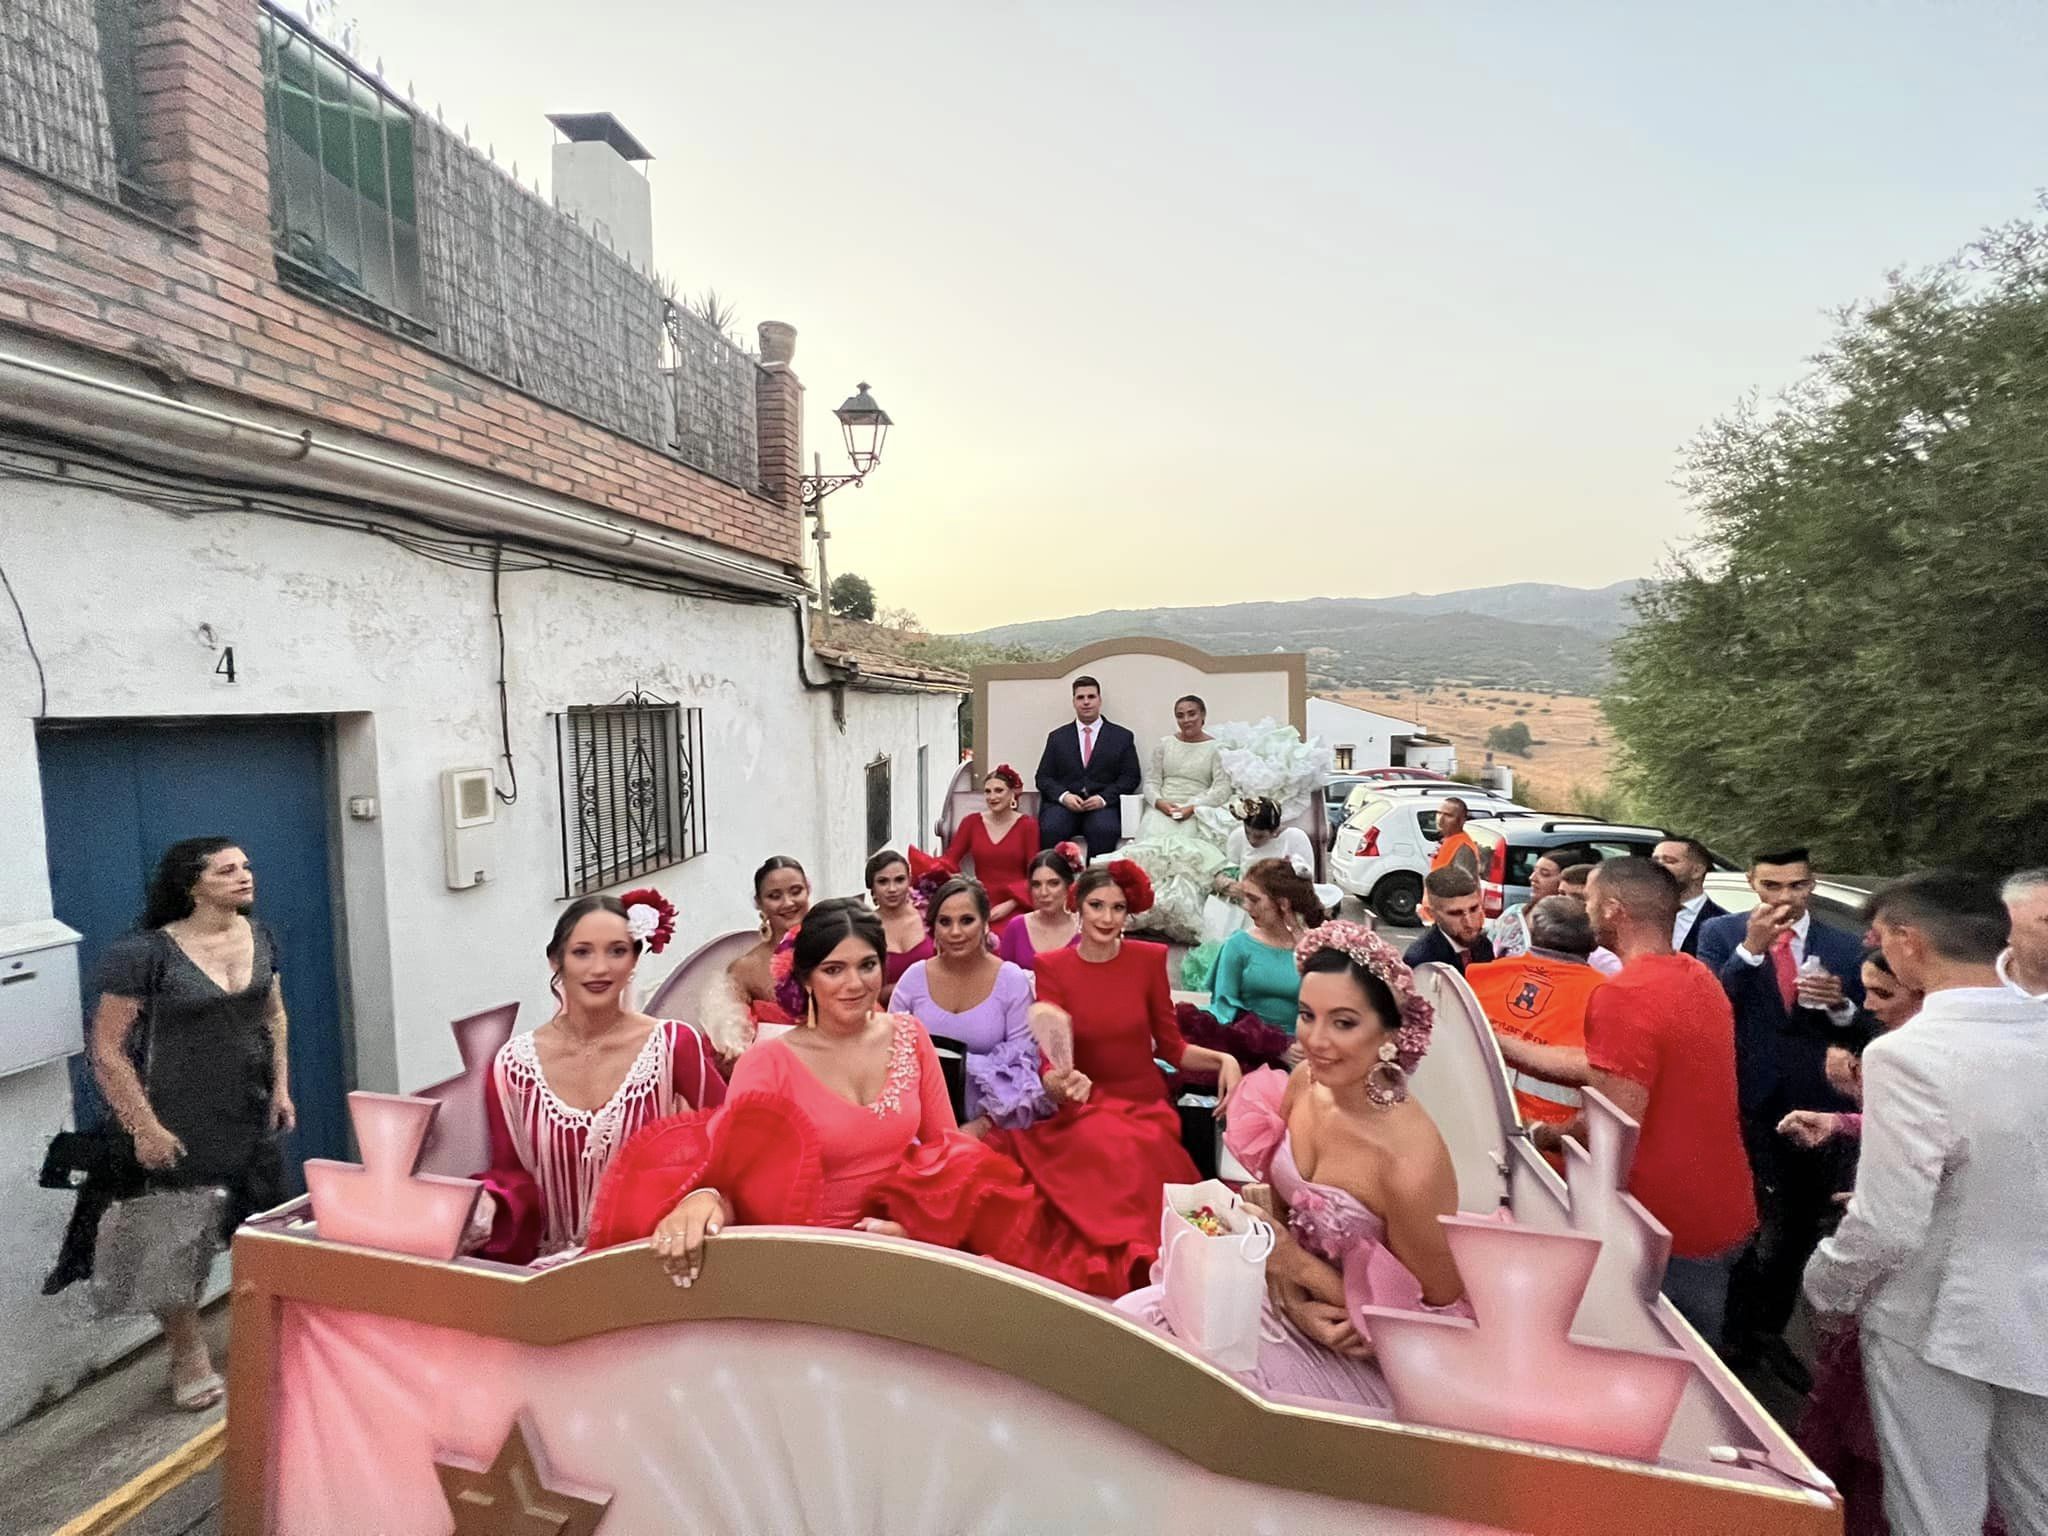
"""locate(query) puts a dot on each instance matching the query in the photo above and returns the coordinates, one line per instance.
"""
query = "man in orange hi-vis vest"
(1454, 843)
(1541, 995)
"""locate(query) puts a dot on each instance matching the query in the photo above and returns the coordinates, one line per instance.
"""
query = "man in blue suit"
(1689, 862)
(1084, 773)
(1795, 985)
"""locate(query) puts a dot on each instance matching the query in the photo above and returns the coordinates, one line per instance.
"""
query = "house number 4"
(225, 667)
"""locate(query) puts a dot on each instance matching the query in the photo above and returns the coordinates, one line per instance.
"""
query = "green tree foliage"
(1509, 738)
(853, 598)
(1855, 653)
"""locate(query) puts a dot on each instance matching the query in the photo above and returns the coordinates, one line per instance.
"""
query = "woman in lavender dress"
(1049, 922)
(1357, 1225)
(964, 993)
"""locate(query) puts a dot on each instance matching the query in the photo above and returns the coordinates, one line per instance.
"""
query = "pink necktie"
(1087, 744)
(1787, 972)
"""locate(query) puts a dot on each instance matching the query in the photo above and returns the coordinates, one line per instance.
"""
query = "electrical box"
(469, 816)
(41, 1010)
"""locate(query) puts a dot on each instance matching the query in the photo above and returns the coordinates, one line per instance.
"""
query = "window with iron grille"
(880, 822)
(343, 219)
(632, 790)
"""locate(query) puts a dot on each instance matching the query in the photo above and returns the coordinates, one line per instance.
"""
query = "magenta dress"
(1015, 945)
(897, 961)
(1334, 1225)
(1002, 1057)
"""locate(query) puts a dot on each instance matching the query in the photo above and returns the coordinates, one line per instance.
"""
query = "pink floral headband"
(1376, 957)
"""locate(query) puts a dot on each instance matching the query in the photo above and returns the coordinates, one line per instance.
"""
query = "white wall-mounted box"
(40, 1005)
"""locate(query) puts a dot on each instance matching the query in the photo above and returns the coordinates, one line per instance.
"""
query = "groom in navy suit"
(1795, 984)
(1084, 773)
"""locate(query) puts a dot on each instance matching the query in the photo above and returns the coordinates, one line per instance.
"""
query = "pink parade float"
(829, 1381)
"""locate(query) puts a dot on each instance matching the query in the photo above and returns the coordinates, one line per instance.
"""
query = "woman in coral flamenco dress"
(1002, 841)
(844, 1122)
(1358, 1175)
(1102, 1160)
(563, 1099)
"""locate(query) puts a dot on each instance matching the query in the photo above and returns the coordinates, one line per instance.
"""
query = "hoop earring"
(1386, 1084)
(766, 930)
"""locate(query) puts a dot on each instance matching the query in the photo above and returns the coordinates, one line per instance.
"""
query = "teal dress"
(1254, 977)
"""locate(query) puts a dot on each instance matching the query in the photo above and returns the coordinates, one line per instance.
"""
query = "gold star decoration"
(515, 1496)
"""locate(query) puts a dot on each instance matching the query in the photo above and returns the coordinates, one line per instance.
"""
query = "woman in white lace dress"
(1179, 848)
(564, 1098)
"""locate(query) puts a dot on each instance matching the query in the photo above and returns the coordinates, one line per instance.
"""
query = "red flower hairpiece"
(1009, 776)
(650, 917)
(927, 874)
(1075, 855)
(1134, 883)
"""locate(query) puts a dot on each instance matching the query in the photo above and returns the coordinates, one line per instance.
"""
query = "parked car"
(1340, 793)
(1384, 848)
(1510, 846)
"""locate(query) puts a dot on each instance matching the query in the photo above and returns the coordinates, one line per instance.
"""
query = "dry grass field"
(1572, 740)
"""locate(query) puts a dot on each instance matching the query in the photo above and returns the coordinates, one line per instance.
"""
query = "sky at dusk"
(1195, 303)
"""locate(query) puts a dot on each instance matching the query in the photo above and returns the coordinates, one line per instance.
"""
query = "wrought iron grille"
(632, 784)
(879, 819)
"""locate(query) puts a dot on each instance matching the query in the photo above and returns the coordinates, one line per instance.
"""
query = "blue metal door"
(116, 794)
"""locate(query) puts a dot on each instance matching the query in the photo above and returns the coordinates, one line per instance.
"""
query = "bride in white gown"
(1180, 842)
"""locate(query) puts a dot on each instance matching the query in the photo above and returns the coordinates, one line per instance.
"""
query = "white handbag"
(1213, 1289)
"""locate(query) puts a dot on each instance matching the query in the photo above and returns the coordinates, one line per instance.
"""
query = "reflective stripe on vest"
(1550, 1093)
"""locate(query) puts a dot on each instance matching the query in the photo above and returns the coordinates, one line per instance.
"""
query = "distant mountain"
(1527, 635)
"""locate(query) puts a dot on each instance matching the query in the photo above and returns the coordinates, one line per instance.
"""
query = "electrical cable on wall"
(29, 640)
(504, 702)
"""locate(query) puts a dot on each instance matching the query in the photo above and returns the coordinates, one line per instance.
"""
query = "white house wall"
(401, 651)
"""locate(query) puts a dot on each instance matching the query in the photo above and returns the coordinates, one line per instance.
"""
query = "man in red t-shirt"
(1660, 1043)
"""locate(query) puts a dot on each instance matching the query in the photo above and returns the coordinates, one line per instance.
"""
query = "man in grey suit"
(1944, 1248)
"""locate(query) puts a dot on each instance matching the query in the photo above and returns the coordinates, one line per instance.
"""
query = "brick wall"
(204, 299)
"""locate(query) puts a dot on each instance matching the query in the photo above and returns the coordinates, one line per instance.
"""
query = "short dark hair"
(1194, 699)
(1458, 800)
(1578, 872)
(1960, 914)
(1084, 681)
(830, 924)
(1574, 857)
(879, 862)
(1647, 891)
(1450, 882)
(1561, 923)
(1695, 850)
(1792, 855)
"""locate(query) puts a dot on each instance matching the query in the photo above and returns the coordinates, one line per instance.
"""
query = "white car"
(1383, 850)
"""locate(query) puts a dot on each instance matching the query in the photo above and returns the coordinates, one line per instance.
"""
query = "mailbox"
(41, 1018)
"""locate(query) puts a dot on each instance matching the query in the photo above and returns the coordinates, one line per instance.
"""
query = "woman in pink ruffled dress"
(1356, 1173)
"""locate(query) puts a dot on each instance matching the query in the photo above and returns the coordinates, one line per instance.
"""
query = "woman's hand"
(284, 1115)
(1071, 1086)
(1809, 1128)
(1293, 1056)
(680, 1237)
(1228, 1076)
(1331, 1327)
(1001, 910)
(481, 1220)
(879, 1227)
(156, 1147)
(978, 1127)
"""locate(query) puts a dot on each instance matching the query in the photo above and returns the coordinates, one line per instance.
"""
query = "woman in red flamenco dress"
(1003, 841)
(1102, 1161)
(843, 1122)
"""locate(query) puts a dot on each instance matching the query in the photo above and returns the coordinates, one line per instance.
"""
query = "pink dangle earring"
(1387, 1085)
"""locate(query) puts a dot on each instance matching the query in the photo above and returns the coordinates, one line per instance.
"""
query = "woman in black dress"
(188, 1045)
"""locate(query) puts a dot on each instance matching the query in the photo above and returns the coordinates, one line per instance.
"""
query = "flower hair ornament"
(789, 992)
(650, 918)
(1009, 776)
(1387, 1083)
(1136, 885)
(927, 874)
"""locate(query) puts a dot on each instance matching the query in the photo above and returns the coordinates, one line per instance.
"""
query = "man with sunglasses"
(1794, 984)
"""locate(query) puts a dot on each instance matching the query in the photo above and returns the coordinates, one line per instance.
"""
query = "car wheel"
(1395, 899)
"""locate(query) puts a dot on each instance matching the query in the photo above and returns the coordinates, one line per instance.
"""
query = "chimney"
(599, 179)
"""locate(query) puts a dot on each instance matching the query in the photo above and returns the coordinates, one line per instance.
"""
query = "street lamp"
(866, 426)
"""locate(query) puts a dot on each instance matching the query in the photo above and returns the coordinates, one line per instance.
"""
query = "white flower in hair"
(642, 921)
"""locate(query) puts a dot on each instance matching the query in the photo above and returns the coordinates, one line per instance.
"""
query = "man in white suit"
(1944, 1248)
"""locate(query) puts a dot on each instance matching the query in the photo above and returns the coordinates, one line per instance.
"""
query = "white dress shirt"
(1838, 1014)
(1688, 914)
(1943, 1249)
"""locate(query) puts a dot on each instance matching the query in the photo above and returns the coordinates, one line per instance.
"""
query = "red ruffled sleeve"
(518, 1216)
(1255, 1123)
(759, 1151)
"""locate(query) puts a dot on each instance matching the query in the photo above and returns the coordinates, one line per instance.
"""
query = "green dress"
(1253, 976)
